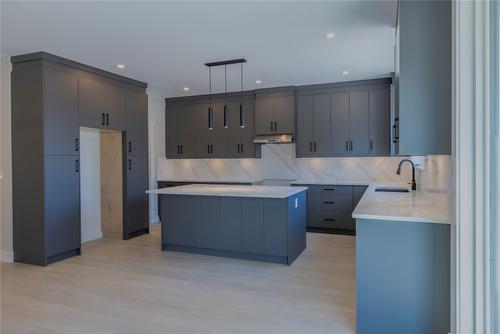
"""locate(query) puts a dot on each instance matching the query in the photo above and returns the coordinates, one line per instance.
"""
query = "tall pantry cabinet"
(51, 98)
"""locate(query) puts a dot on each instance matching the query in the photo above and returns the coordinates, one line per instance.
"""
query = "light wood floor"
(131, 286)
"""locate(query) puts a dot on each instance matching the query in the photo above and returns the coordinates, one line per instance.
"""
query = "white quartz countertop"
(230, 190)
(209, 181)
(415, 206)
(339, 183)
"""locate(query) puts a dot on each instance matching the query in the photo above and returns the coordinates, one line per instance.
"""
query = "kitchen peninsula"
(266, 223)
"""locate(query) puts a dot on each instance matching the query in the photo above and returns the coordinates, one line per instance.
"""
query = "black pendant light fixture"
(210, 110)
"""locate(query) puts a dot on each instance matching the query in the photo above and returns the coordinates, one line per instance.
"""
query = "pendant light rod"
(226, 62)
(225, 96)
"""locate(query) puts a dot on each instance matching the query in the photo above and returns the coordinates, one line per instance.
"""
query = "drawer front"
(330, 219)
(335, 202)
(330, 189)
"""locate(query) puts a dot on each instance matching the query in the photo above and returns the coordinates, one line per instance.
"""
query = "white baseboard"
(91, 235)
(6, 256)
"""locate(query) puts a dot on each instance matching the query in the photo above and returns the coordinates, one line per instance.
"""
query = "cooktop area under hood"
(274, 139)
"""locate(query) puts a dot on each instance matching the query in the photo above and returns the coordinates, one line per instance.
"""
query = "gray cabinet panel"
(61, 131)
(425, 77)
(379, 105)
(181, 122)
(137, 122)
(305, 138)
(359, 123)
(321, 125)
(62, 204)
(229, 231)
(340, 123)
(264, 115)
(252, 225)
(219, 132)
(136, 209)
(284, 114)
(248, 148)
(275, 226)
(233, 131)
(330, 219)
(203, 133)
(102, 104)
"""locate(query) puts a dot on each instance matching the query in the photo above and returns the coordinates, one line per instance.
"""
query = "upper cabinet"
(423, 77)
(137, 121)
(345, 119)
(275, 111)
(102, 103)
(224, 130)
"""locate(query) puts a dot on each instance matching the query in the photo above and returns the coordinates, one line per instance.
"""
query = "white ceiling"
(166, 43)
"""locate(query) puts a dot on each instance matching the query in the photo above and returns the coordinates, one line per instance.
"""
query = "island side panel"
(402, 277)
(297, 225)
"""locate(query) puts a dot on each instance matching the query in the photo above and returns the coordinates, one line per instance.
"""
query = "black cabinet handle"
(271, 125)
(77, 165)
(238, 148)
(351, 145)
(103, 119)
(329, 219)
(314, 146)
(129, 147)
(310, 146)
(211, 148)
(178, 149)
(241, 146)
(77, 145)
(328, 202)
(371, 145)
(107, 119)
(129, 164)
(275, 126)
(347, 146)
(208, 149)
(329, 189)
(225, 116)
(182, 149)
(395, 131)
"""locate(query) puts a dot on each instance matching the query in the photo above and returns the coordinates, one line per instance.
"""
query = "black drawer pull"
(129, 147)
(329, 219)
(129, 164)
(328, 202)
(107, 119)
(329, 189)
(77, 145)
(77, 166)
(241, 148)
(347, 145)
(103, 119)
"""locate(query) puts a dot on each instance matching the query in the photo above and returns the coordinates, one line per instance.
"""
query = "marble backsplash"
(278, 162)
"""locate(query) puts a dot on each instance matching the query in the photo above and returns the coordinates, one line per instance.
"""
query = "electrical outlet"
(296, 202)
(419, 161)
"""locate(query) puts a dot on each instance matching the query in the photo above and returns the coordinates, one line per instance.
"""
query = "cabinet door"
(359, 123)
(62, 204)
(136, 200)
(380, 112)
(187, 125)
(61, 132)
(233, 132)
(252, 225)
(284, 114)
(172, 131)
(304, 141)
(322, 146)
(340, 123)
(203, 133)
(102, 104)
(264, 115)
(137, 123)
(247, 134)
(219, 132)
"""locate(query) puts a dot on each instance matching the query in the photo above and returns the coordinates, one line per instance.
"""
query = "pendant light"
(210, 120)
(210, 110)
(242, 123)
(225, 96)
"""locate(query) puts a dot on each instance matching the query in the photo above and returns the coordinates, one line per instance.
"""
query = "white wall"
(90, 184)
(6, 253)
(156, 128)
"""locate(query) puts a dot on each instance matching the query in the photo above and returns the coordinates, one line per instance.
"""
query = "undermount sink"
(393, 190)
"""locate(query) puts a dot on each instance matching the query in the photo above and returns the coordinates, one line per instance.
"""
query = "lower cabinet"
(330, 207)
(136, 201)
(62, 206)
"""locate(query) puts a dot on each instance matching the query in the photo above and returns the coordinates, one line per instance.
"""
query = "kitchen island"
(266, 223)
(402, 262)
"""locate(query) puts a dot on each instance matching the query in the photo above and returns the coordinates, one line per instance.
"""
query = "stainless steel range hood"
(273, 139)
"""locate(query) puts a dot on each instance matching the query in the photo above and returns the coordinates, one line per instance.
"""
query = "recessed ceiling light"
(186, 89)
(330, 35)
(345, 72)
(258, 82)
(120, 66)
